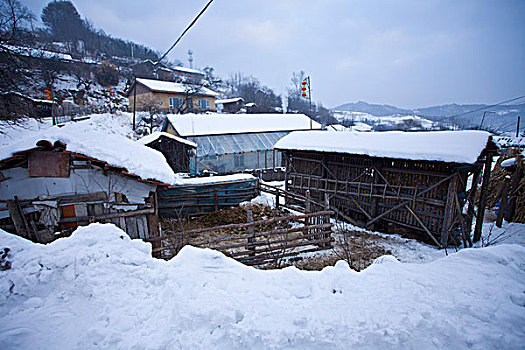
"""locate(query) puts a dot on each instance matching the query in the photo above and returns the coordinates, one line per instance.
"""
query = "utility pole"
(518, 127)
(483, 118)
(134, 100)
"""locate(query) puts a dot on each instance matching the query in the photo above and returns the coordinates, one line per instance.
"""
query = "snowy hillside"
(500, 118)
(100, 290)
(380, 123)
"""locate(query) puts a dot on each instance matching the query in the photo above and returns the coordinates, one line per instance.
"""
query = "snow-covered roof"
(188, 70)
(115, 150)
(146, 140)
(218, 123)
(214, 179)
(229, 100)
(169, 86)
(446, 146)
(336, 127)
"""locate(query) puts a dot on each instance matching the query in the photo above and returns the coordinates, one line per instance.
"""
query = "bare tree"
(14, 18)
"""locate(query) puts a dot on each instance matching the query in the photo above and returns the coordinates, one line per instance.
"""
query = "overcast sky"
(408, 53)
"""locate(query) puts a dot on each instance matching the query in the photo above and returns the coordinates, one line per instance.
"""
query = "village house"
(231, 105)
(63, 178)
(149, 69)
(412, 182)
(170, 97)
(229, 143)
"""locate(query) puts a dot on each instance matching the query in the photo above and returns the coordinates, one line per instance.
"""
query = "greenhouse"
(229, 143)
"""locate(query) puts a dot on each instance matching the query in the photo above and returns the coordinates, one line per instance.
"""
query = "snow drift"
(100, 289)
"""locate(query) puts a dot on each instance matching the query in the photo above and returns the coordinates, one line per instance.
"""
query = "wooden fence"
(255, 242)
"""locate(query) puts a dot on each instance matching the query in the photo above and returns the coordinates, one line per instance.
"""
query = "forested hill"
(66, 31)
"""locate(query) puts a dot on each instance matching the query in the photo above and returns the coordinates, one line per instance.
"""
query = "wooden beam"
(483, 196)
(408, 201)
(429, 234)
(464, 232)
(449, 209)
(511, 207)
(503, 201)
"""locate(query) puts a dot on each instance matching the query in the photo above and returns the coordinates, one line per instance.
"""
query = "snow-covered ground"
(99, 289)
(113, 124)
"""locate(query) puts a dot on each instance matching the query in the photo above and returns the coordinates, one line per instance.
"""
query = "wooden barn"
(422, 184)
(176, 150)
(60, 179)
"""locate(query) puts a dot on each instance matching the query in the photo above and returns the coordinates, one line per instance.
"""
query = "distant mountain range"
(498, 118)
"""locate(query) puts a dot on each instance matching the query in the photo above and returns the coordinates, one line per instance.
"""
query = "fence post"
(277, 200)
(251, 231)
(307, 203)
(326, 219)
(307, 208)
(216, 199)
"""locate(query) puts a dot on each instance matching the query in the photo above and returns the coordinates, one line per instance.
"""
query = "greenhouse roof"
(218, 123)
(236, 143)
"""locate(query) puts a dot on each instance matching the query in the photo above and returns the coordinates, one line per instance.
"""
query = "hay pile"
(497, 178)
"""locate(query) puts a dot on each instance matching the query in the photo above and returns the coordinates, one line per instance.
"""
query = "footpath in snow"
(99, 289)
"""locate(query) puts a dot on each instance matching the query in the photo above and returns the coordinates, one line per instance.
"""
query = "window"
(204, 105)
(175, 103)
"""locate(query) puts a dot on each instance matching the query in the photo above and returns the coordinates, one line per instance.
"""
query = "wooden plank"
(17, 219)
(464, 232)
(483, 197)
(142, 227)
(254, 236)
(427, 231)
(131, 227)
(449, 210)
(503, 201)
(279, 248)
(511, 206)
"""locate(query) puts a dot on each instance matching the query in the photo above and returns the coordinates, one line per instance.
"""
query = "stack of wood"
(507, 187)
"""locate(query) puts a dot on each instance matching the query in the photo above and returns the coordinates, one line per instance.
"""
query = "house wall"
(161, 99)
(80, 181)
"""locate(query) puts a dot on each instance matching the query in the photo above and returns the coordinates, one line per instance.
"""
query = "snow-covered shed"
(228, 143)
(176, 150)
(394, 180)
(58, 179)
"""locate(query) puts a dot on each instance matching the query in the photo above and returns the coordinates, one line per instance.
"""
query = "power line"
(483, 108)
(185, 30)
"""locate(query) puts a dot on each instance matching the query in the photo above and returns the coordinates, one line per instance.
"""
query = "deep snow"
(100, 289)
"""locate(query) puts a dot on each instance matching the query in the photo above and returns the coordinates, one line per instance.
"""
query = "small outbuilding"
(177, 151)
(420, 183)
(231, 105)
